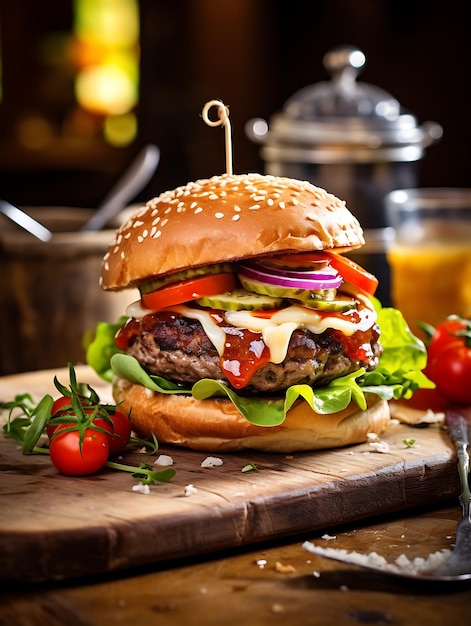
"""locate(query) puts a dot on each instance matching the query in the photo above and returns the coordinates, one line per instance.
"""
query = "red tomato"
(61, 406)
(71, 459)
(425, 399)
(120, 430)
(60, 403)
(445, 334)
(449, 360)
(354, 273)
(189, 289)
(450, 370)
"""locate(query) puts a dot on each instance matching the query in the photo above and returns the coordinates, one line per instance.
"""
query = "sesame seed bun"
(226, 218)
(216, 425)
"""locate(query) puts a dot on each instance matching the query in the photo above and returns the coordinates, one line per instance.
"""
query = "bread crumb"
(212, 461)
(373, 559)
(284, 569)
(407, 415)
(190, 490)
(164, 460)
(140, 488)
(380, 446)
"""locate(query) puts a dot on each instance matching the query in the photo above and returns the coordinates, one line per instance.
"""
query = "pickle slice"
(240, 299)
(192, 272)
(339, 304)
(320, 300)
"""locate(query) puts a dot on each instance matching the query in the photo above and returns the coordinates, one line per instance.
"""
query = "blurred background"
(86, 83)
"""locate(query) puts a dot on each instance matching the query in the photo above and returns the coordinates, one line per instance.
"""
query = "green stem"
(151, 476)
(37, 450)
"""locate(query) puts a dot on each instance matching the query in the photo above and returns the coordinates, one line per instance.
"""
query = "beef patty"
(178, 349)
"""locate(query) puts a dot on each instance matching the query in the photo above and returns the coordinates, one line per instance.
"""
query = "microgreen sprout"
(250, 467)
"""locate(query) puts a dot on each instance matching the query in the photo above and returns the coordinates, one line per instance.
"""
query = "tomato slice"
(348, 269)
(189, 289)
(354, 273)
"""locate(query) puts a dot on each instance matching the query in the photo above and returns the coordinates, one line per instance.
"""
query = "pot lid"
(347, 112)
(343, 96)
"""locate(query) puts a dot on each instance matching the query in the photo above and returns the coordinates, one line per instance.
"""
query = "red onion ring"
(311, 281)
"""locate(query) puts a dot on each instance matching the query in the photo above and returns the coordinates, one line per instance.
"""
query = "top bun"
(226, 218)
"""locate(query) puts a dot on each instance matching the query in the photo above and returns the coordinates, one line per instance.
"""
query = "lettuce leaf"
(398, 375)
(102, 347)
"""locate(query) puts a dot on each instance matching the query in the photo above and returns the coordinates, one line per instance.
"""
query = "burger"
(252, 329)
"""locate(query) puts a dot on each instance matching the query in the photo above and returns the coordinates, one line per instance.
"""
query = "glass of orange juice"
(430, 259)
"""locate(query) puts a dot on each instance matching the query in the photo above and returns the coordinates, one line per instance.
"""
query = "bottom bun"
(216, 425)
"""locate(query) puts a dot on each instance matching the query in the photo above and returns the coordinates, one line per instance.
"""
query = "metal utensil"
(25, 221)
(457, 567)
(137, 175)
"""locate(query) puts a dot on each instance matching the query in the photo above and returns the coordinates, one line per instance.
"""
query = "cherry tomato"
(60, 404)
(449, 360)
(120, 430)
(74, 460)
(450, 370)
(189, 289)
(445, 334)
(425, 399)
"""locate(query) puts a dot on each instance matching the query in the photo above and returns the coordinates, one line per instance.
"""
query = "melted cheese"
(276, 330)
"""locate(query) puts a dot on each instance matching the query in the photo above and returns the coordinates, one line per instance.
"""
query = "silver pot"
(351, 138)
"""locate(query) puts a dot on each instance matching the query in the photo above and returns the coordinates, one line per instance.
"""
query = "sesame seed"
(237, 208)
(137, 224)
(270, 202)
(193, 205)
(156, 221)
(107, 267)
(198, 210)
(127, 235)
(213, 196)
(219, 215)
(254, 207)
(164, 222)
(145, 233)
(281, 205)
(122, 255)
(235, 217)
(157, 234)
(140, 239)
(258, 198)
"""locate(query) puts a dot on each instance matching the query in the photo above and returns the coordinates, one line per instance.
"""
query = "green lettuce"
(398, 375)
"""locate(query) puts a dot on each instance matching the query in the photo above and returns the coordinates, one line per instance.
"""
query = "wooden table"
(260, 577)
(271, 583)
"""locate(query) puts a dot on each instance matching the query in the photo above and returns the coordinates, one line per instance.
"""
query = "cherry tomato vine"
(82, 433)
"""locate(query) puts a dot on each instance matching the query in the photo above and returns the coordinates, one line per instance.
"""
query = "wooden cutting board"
(53, 526)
